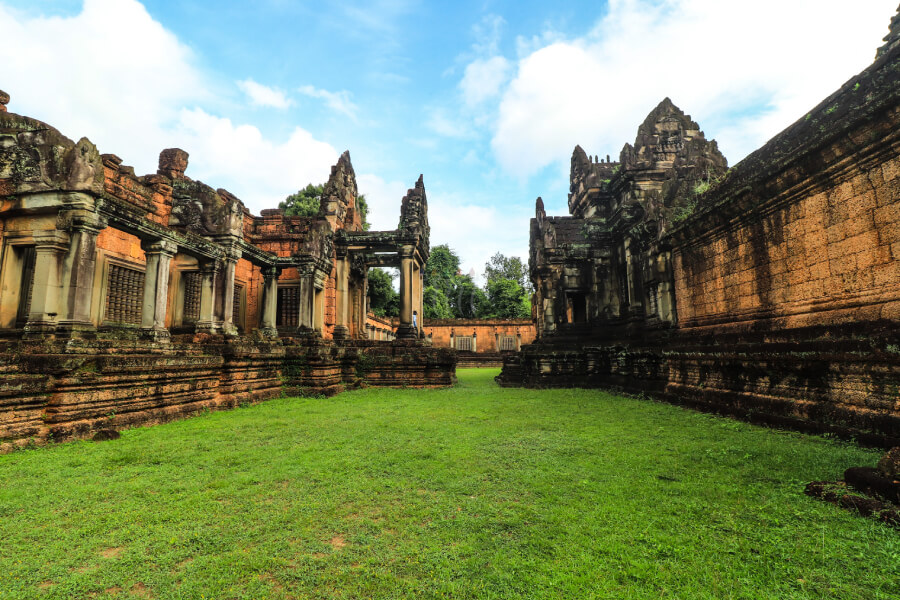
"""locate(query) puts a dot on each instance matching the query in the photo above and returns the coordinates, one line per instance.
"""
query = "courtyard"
(467, 492)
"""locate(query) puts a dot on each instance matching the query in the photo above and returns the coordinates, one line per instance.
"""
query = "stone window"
(192, 280)
(27, 257)
(652, 299)
(124, 295)
(465, 343)
(507, 343)
(236, 306)
(288, 306)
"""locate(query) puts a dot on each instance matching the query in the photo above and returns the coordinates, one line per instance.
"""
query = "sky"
(486, 99)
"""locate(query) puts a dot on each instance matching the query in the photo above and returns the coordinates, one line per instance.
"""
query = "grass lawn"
(470, 492)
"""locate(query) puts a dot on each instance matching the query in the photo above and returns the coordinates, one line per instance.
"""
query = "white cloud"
(258, 171)
(440, 122)
(111, 73)
(483, 79)
(383, 198)
(337, 101)
(115, 75)
(743, 71)
(262, 95)
(473, 231)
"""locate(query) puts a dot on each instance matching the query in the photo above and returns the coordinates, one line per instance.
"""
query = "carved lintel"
(163, 247)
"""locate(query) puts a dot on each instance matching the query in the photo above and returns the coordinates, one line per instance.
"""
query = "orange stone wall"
(485, 331)
(825, 254)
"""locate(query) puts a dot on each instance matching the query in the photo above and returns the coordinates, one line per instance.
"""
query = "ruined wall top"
(670, 138)
(197, 207)
(35, 157)
(892, 39)
(414, 216)
(338, 203)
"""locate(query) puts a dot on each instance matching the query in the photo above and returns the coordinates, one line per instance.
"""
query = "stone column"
(405, 330)
(548, 307)
(307, 303)
(666, 291)
(419, 295)
(206, 323)
(269, 302)
(342, 283)
(229, 265)
(159, 253)
(363, 304)
(46, 291)
(635, 283)
(78, 271)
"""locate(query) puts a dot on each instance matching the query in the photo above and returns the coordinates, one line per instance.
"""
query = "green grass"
(470, 492)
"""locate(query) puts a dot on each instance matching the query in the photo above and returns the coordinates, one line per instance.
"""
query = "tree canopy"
(383, 300)
(306, 202)
(504, 296)
(507, 267)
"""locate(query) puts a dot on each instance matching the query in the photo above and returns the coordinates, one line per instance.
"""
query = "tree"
(506, 299)
(503, 267)
(436, 304)
(363, 207)
(305, 203)
(467, 300)
(383, 300)
(441, 269)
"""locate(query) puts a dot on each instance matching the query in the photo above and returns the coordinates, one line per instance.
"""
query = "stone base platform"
(838, 380)
(59, 390)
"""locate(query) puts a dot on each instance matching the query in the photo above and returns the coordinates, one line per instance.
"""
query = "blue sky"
(486, 99)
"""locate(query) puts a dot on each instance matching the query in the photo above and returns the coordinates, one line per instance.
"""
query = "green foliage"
(681, 213)
(437, 306)
(442, 269)
(467, 300)
(363, 207)
(702, 187)
(471, 492)
(305, 203)
(383, 300)
(506, 267)
(506, 299)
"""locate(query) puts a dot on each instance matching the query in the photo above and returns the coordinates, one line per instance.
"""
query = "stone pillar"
(405, 331)
(156, 288)
(78, 271)
(635, 283)
(419, 295)
(342, 283)
(229, 266)
(206, 323)
(269, 302)
(46, 291)
(548, 307)
(666, 292)
(363, 304)
(307, 304)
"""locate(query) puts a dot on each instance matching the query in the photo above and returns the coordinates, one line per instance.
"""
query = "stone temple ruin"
(127, 299)
(770, 290)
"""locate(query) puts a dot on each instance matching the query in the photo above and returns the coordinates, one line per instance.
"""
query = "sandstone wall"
(60, 390)
(485, 330)
(786, 283)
